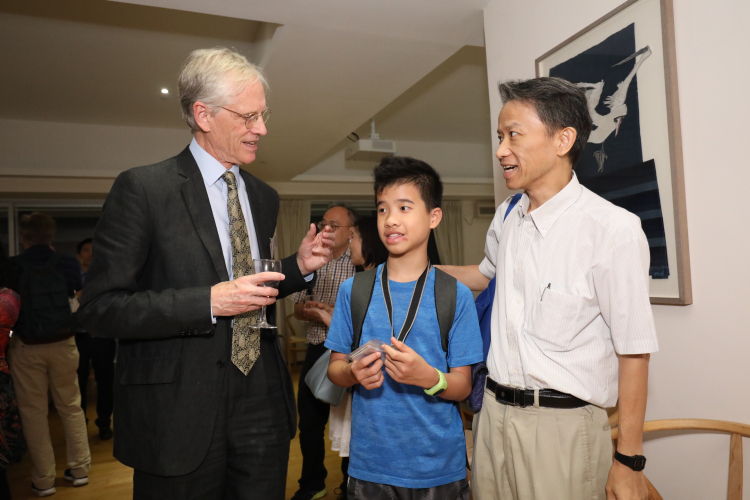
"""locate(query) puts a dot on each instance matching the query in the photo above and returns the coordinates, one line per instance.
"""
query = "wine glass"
(263, 266)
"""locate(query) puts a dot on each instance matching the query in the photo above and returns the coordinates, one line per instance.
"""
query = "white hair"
(213, 76)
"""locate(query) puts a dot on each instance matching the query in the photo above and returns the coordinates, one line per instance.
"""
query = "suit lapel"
(261, 208)
(196, 199)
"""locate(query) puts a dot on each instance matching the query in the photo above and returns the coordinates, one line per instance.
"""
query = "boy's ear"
(436, 215)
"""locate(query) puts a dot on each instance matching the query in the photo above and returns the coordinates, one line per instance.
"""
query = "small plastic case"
(366, 349)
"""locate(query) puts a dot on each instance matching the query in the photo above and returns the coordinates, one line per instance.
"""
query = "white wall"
(83, 150)
(702, 369)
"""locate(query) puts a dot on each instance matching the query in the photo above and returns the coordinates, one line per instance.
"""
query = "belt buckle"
(517, 396)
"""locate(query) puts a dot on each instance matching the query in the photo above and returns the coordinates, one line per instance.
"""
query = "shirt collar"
(545, 216)
(210, 168)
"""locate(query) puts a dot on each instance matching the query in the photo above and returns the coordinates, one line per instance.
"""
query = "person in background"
(48, 362)
(367, 252)
(313, 413)
(12, 444)
(98, 352)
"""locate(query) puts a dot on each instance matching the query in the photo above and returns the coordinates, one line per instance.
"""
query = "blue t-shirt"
(400, 435)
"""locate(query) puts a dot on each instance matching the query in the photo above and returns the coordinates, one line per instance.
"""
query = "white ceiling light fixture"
(165, 91)
(371, 149)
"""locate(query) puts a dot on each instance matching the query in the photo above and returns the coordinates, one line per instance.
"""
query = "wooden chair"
(735, 430)
(294, 344)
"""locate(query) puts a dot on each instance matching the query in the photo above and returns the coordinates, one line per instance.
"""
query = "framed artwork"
(625, 63)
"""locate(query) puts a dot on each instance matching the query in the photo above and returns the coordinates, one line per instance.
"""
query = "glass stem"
(263, 315)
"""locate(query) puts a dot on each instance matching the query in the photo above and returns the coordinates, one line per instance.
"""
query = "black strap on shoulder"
(445, 303)
(362, 288)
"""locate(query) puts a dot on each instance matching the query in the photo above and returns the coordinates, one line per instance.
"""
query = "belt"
(548, 398)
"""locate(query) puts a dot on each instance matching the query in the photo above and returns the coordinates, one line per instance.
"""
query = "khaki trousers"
(538, 453)
(35, 369)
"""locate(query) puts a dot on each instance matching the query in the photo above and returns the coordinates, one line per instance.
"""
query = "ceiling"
(331, 64)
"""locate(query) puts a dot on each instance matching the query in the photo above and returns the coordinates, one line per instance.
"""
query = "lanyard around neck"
(416, 300)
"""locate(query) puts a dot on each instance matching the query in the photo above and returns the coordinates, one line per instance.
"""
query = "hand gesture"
(405, 366)
(624, 483)
(231, 298)
(318, 313)
(315, 250)
(368, 371)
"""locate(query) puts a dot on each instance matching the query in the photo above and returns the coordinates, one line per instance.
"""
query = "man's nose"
(502, 150)
(259, 127)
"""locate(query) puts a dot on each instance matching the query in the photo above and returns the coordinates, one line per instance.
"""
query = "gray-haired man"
(204, 407)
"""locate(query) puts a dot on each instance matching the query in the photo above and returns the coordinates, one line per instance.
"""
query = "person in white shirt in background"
(572, 326)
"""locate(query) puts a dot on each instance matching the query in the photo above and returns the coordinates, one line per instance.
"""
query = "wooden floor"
(110, 480)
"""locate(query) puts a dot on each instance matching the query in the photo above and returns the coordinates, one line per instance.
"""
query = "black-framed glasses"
(322, 225)
(251, 118)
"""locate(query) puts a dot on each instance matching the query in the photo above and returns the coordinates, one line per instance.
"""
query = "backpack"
(445, 303)
(45, 309)
(484, 314)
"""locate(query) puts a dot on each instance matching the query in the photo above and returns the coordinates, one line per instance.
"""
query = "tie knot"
(229, 179)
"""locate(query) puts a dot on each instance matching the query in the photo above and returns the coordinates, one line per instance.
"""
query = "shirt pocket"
(555, 319)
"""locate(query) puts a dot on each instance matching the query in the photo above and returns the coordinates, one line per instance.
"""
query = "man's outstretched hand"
(315, 250)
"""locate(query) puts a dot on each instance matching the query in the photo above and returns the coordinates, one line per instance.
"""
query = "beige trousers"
(540, 453)
(35, 369)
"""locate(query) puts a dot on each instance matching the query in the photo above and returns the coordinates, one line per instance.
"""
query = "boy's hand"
(407, 367)
(369, 371)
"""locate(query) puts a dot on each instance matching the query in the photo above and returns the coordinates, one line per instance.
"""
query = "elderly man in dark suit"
(204, 406)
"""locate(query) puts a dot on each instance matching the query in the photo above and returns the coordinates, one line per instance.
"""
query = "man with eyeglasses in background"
(313, 413)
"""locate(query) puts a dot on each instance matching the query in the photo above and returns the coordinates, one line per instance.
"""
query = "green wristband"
(441, 386)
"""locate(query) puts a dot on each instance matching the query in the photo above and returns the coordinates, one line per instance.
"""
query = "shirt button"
(518, 300)
(220, 364)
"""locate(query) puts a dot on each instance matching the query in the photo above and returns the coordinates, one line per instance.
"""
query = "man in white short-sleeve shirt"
(572, 326)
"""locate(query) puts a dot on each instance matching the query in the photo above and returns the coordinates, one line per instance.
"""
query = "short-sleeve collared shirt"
(330, 278)
(572, 293)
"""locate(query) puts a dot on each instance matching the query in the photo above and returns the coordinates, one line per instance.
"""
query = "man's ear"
(202, 115)
(436, 215)
(565, 139)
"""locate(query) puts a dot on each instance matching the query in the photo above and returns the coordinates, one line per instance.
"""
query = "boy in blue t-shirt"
(407, 437)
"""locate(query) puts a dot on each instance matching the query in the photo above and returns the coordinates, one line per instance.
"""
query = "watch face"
(639, 463)
(439, 392)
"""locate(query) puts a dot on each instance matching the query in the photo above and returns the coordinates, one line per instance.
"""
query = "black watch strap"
(636, 462)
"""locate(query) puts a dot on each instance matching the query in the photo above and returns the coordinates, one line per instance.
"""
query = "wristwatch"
(438, 389)
(636, 462)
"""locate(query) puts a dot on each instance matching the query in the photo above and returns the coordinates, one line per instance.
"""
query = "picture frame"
(625, 62)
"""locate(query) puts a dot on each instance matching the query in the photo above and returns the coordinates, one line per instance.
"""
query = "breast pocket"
(556, 319)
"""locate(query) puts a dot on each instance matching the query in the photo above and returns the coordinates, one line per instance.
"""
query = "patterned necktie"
(245, 336)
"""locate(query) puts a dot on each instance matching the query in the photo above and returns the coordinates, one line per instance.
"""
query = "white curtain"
(291, 226)
(449, 235)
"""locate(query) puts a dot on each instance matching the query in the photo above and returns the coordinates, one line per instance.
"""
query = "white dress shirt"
(572, 291)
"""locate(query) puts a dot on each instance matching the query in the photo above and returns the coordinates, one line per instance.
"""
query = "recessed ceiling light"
(165, 91)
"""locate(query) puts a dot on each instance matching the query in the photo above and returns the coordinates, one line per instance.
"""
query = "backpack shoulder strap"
(362, 288)
(446, 289)
(513, 202)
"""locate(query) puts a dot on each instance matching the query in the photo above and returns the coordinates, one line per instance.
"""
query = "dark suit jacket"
(156, 255)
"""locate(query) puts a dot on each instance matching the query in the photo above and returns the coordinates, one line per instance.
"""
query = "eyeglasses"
(251, 118)
(322, 225)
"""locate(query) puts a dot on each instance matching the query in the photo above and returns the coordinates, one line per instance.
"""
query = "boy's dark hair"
(373, 249)
(558, 103)
(37, 229)
(398, 170)
(83, 242)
